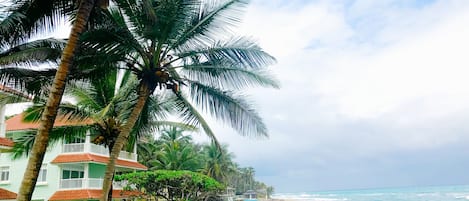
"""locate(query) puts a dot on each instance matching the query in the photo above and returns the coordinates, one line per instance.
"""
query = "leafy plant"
(171, 185)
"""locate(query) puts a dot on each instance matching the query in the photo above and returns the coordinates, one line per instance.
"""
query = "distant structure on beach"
(250, 195)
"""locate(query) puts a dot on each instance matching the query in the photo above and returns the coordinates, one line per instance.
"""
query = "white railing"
(88, 183)
(71, 183)
(95, 183)
(128, 155)
(76, 147)
(96, 149)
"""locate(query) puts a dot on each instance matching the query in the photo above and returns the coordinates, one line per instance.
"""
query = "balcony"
(95, 149)
(87, 183)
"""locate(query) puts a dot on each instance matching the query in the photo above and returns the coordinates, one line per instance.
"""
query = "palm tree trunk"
(143, 94)
(109, 196)
(55, 96)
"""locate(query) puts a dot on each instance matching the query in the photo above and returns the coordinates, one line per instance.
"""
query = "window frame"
(8, 174)
(42, 173)
(81, 174)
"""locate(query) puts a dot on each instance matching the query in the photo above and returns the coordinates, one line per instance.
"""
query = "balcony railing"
(96, 149)
(2, 129)
(88, 183)
(77, 147)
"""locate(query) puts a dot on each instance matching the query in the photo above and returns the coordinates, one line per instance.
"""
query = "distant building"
(250, 195)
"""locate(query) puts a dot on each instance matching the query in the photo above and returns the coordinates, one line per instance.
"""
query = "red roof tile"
(7, 195)
(17, 123)
(86, 157)
(6, 142)
(88, 194)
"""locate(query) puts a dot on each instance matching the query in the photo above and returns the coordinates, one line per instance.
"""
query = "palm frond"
(208, 22)
(228, 77)
(85, 95)
(172, 17)
(24, 140)
(133, 10)
(44, 50)
(240, 51)
(190, 115)
(30, 17)
(228, 107)
(66, 112)
(27, 80)
(109, 46)
(12, 95)
(12, 98)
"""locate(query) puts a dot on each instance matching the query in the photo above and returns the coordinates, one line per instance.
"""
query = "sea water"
(435, 193)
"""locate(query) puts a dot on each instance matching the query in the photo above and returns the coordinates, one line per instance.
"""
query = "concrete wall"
(17, 167)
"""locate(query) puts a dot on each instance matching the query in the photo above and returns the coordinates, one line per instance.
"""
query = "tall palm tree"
(98, 100)
(29, 15)
(185, 47)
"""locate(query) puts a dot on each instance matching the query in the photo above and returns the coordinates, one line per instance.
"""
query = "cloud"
(368, 88)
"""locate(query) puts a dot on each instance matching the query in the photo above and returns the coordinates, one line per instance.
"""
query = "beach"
(431, 193)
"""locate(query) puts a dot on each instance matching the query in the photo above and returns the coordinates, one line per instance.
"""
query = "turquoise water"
(435, 193)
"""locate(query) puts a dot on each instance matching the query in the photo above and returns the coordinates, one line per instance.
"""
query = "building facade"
(72, 169)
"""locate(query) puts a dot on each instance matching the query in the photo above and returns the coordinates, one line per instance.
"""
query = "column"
(2, 119)
(87, 142)
(86, 176)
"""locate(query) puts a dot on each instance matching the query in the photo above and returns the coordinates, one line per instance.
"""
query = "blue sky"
(374, 94)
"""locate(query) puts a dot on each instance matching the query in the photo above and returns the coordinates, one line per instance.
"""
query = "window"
(4, 174)
(72, 174)
(42, 174)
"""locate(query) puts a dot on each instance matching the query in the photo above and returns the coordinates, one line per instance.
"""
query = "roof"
(13, 91)
(6, 142)
(16, 123)
(87, 157)
(88, 194)
(7, 195)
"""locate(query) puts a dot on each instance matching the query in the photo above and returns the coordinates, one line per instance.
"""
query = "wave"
(309, 197)
(433, 193)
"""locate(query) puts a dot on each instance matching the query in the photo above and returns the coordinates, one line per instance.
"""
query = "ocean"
(434, 193)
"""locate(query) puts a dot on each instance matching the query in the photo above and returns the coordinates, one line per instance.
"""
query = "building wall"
(17, 168)
(96, 170)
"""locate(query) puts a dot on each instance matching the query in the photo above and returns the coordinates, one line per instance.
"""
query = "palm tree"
(106, 105)
(176, 151)
(103, 106)
(174, 135)
(184, 47)
(248, 174)
(29, 15)
(218, 162)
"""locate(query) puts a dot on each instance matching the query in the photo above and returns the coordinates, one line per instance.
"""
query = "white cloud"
(430, 64)
(360, 81)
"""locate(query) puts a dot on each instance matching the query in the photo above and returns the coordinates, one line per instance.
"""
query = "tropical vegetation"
(25, 18)
(171, 185)
(170, 148)
(183, 50)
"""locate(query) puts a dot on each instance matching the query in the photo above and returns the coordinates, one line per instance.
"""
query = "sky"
(374, 94)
